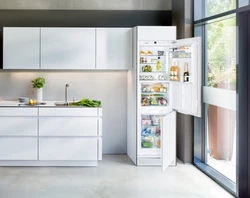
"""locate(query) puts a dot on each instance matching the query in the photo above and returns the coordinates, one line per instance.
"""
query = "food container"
(146, 122)
(23, 100)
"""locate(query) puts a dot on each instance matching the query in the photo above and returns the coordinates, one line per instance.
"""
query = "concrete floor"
(115, 177)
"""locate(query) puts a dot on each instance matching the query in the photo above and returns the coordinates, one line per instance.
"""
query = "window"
(215, 133)
(221, 54)
(214, 7)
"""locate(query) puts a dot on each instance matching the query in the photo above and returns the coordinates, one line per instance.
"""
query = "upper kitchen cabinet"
(114, 48)
(21, 48)
(156, 34)
(68, 48)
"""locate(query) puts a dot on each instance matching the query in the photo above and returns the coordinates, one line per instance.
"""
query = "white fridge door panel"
(168, 147)
(186, 97)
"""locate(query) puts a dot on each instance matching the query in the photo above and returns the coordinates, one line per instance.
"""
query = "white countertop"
(15, 103)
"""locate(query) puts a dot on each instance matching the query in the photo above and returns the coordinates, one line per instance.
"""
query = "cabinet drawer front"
(18, 111)
(18, 148)
(69, 112)
(19, 126)
(67, 149)
(68, 126)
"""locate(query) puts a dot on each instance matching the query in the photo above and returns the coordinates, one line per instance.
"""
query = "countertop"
(15, 103)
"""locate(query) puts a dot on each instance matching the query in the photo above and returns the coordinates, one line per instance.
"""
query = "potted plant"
(38, 84)
(221, 121)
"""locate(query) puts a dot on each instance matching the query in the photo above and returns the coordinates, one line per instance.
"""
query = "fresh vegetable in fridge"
(147, 144)
(147, 68)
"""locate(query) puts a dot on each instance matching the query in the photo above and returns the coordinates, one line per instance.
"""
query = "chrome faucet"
(66, 93)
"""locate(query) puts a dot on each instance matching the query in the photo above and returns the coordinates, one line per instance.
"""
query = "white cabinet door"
(114, 48)
(69, 126)
(68, 48)
(68, 149)
(186, 97)
(168, 147)
(19, 126)
(18, 148)
(21, 48)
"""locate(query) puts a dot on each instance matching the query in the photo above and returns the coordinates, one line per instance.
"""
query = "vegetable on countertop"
(88, 103)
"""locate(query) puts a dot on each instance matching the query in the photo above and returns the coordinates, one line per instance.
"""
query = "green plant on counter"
(38, 82)
(87, 102)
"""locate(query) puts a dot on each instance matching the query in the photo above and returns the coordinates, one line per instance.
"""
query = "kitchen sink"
(63, 103)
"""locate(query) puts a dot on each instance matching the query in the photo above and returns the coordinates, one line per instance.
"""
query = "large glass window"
(215, 133)
(221, 53)
(214, 7)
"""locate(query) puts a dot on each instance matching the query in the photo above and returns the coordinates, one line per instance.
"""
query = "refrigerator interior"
(161, 82)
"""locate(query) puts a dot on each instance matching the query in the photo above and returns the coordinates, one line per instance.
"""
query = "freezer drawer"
(68, 149)
(18, 148)
(69, 126)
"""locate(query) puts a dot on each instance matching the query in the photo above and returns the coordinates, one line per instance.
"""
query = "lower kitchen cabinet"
(50, 136)
(18, 148)
(62, 126)
(68, 149)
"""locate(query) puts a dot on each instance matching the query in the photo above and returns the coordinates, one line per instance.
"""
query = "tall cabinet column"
(183, 18)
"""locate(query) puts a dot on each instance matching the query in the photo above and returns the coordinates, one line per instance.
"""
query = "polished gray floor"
(115, 177)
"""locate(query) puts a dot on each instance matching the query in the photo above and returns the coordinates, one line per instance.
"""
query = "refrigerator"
(165, 79)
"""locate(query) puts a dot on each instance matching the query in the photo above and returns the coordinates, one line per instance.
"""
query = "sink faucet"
(66, 93)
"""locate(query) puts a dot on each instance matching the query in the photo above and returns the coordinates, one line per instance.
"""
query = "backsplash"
(109, 87)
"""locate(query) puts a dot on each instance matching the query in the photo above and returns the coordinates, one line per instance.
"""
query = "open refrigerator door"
(168, 147)
(185, 76)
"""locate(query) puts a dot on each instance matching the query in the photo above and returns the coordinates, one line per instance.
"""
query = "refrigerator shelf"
(152, 55)
(156, 72)
(151, 125)
(154, 81)
(154, 92)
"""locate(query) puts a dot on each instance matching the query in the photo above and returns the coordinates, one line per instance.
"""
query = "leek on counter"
(87, 102)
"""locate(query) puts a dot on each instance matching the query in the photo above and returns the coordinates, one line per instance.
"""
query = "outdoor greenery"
(221, 44)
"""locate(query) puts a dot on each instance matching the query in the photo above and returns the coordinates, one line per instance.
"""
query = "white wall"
(109, 87)
(87, 4)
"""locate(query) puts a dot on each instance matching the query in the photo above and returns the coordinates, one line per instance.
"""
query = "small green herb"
(38, 82)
